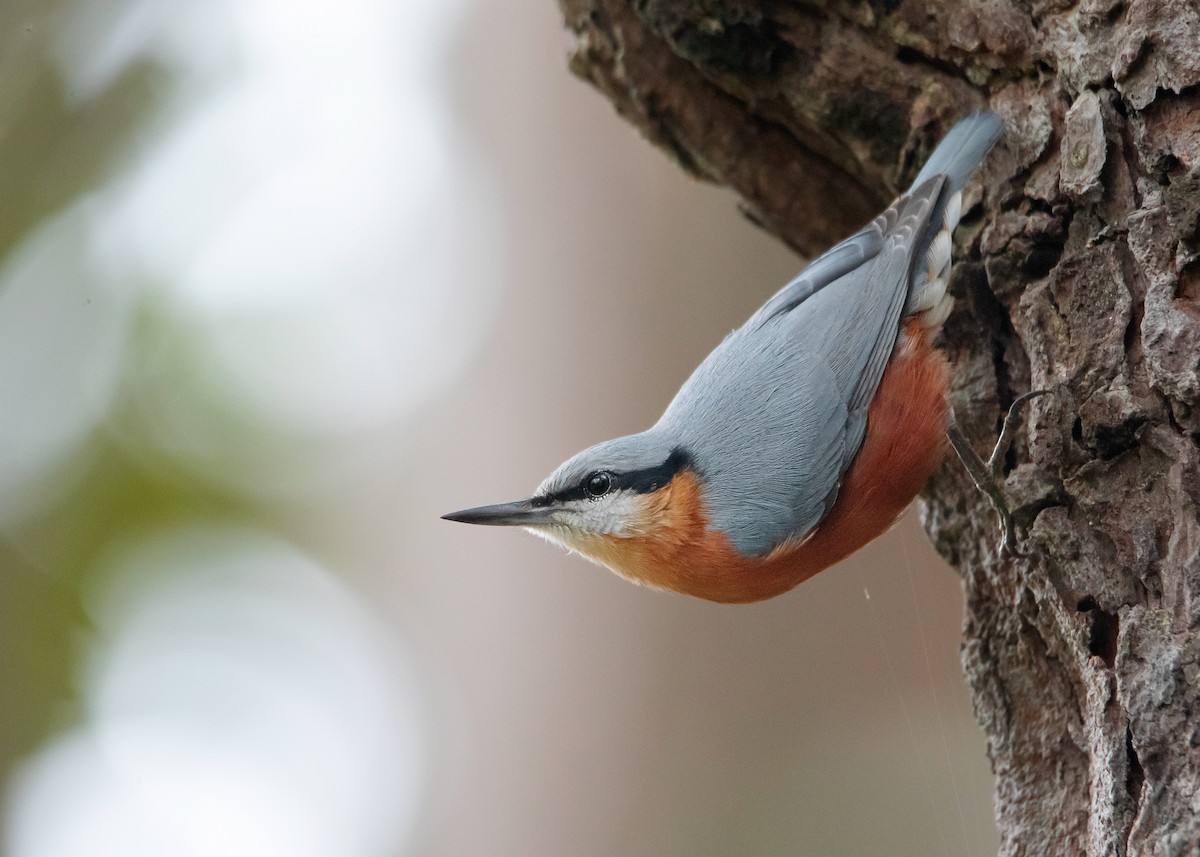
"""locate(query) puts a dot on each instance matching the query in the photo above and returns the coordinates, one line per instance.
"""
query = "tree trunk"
(1077, 270)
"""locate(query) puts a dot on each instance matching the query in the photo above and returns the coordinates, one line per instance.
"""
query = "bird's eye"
(598, 484)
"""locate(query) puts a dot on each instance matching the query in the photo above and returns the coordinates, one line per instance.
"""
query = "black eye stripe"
(642, 481)
(653, 478)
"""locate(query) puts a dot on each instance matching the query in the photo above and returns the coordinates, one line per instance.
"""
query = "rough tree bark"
(1079, 271)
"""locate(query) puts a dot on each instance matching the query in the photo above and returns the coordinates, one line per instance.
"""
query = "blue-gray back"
(774, 417)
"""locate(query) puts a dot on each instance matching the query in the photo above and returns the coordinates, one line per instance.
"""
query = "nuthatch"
(802, 436)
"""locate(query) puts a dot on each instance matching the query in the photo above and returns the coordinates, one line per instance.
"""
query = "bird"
(803, 435)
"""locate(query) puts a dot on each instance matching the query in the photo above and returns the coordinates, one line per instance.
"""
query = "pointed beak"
(522, 513)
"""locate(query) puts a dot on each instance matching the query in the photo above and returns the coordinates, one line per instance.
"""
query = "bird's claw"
(1008, 429)
(987, 475)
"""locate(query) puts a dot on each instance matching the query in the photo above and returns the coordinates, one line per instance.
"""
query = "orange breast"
(904, 444)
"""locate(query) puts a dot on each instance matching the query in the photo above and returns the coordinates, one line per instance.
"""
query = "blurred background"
(280, 283)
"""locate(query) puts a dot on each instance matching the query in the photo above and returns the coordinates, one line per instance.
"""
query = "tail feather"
(962, 151)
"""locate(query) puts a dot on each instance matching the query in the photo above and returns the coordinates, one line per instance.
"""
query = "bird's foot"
(986, 474)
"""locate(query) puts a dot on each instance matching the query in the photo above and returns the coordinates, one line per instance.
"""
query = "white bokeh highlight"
(294, 214)
(303, 212)
(239, 702)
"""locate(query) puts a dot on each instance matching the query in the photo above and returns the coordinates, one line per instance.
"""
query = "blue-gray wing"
(776, 414)
(831, 265)
(956, 157)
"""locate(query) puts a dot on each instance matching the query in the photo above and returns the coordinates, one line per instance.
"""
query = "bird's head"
(608, 502)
